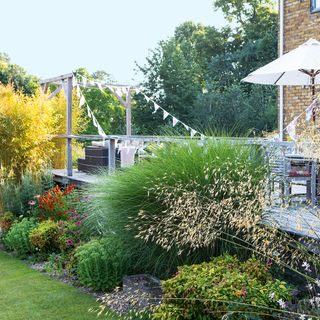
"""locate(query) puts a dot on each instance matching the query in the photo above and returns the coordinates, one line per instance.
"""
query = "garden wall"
(299, 26)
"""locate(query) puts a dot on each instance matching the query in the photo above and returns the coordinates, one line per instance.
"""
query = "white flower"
(271, 295)
(303, 317)
(306, 266)
(281, 303)
(309, 286)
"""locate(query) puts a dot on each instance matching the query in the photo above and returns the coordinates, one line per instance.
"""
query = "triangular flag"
(156, 107)
(100, 131)
(186, 127)
(82, 101)
(193, 132)
(78, 91)
(95, 122)
(291, 129)
(165, 114)
(147, 98)
(309, 110)
(89, 112)
(174, 121)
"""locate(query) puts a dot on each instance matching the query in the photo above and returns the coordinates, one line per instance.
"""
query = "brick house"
(299, 21)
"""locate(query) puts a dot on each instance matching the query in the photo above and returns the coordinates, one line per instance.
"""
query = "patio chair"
(300, 172)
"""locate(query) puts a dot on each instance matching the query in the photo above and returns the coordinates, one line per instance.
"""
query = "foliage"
(17, 239)
(79, 125)
(196, 73)
(20, 197)
(45, 237)
(56, 204)
(6, 221)
(222, 286)
(106, 108)
(55, 263)
(17, 76)
(26, 128)
(121, 200)
(100, 263)
(70, 232)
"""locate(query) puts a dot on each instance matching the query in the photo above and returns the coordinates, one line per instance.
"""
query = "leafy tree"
(196, 74)
(175, 73)
(106, 108)
(17, 76)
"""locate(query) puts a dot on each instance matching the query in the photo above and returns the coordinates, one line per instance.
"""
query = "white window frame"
(315, 6)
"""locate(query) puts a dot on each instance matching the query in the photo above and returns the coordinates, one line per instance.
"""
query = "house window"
(315, 6)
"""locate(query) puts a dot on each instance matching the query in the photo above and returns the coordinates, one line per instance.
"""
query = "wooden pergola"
(66, 82)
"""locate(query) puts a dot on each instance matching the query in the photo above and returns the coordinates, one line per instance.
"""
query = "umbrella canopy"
(300, 66)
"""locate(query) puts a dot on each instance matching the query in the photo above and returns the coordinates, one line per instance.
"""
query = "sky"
(50, 38)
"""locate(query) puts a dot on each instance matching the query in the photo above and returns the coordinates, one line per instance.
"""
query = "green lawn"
(26, 294)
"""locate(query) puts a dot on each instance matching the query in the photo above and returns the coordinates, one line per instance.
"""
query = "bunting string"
(308, 112)
(83, 102)
(120, 91)
(167, 114)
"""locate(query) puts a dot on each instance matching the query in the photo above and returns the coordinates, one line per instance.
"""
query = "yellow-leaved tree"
(27, 129)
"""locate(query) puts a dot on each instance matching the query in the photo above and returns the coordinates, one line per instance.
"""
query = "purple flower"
(69, 242)
(31, 202)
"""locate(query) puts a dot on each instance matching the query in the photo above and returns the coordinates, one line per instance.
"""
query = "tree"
(106, 108)
(254, 44)
(175, 73)
(196, 74)
(17, 76)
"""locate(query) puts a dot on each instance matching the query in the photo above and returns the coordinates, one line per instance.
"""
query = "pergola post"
(69, 126)
(112, 155)
(128, 113)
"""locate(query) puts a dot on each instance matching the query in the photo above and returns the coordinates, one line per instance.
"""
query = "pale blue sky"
(50, 38)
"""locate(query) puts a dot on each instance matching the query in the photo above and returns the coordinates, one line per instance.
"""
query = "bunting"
(291, 129)
(120, 91)
(166, 114)
(82, 102)
(309, 111)
(174, 121)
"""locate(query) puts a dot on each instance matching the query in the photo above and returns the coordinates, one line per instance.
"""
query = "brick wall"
(299, 26)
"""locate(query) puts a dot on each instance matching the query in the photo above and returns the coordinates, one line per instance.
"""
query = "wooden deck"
(78, 178)
(298, 219)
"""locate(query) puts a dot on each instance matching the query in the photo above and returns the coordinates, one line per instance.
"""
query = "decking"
(299, 219)
(78, 178)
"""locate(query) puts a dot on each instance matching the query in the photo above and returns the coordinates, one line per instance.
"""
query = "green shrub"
(56, 263)
(17, 239)
(243, 290)
(100, 263)
(45, 238)
(16, 196)
(167, 200)
(6, 221)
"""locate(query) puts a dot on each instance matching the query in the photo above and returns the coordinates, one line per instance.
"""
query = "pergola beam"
(56, 79)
